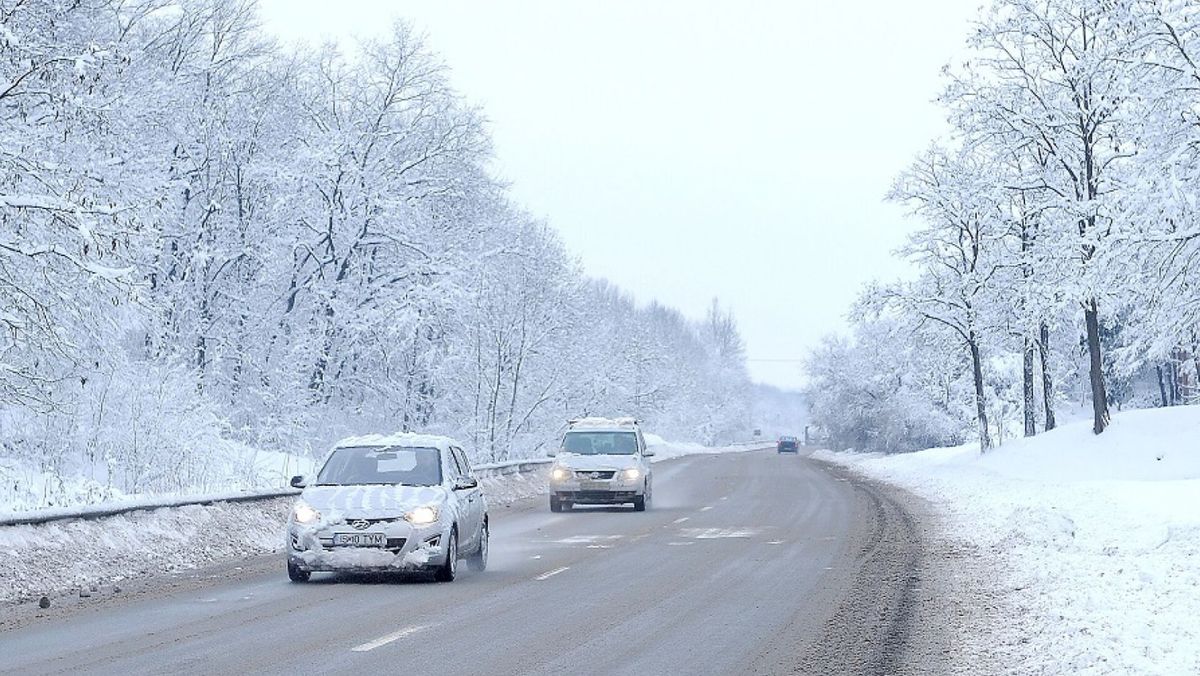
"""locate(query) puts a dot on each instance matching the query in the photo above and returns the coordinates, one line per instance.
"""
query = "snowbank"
(667, 450)
(25, 487)
(53, 558)
(1097, 538)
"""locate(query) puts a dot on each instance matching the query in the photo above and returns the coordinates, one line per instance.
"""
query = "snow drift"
(1097, 538)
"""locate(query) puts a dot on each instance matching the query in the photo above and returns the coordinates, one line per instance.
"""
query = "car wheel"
(639, 503)
(449, 570)
(478, 561)
(297, 574)
(555, 504)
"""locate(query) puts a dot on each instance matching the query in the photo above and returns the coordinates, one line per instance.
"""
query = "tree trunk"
(985, 440)
(1028, 389)
(1047, 379)
(1091, 317)
(1196, 363)
(1162, 385)
(1173, 381)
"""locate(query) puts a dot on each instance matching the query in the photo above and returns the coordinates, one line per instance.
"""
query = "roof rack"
(594, 421)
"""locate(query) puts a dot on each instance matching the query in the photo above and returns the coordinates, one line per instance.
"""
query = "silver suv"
(602, 461)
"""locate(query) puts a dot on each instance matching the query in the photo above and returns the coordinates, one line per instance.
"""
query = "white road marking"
(394, 636)
(718, 533)
(586, 539)
(551, 573)
(705, 509)
(680, 544)
(775, 542)
(681, 519)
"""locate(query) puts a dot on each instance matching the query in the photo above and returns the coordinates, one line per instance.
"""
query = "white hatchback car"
(601, 462)
(406, 502)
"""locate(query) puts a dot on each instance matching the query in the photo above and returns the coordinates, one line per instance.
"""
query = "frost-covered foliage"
(1060, 244)
(887, 390)
(208, 241)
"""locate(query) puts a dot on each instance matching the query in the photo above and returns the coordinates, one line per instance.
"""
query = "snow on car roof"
(603, 423)
(400, 439)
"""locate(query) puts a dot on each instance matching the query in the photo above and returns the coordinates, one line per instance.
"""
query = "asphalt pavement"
(745, 563)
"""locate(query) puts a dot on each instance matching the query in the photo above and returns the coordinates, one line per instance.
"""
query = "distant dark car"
(788, 445)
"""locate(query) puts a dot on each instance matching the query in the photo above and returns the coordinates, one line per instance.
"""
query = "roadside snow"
(668, 450)
(1097, 538)
(24, 487)
(57, 557)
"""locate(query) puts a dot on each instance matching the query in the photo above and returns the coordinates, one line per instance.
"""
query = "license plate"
(358, 540)
(593, 485)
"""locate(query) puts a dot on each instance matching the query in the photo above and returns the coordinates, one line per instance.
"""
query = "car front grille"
(598, 496)
(599, 475)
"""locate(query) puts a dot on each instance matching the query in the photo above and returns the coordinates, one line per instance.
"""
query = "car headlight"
(422, 516)
(631, 474)
(304, 513)
(560, 474)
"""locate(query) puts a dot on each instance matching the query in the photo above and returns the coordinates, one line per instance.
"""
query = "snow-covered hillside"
(1099, 537)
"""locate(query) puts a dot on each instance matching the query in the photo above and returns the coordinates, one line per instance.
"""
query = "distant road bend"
(745, 563)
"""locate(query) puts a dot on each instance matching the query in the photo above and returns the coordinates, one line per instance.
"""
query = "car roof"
(610, 424)
(401, 439)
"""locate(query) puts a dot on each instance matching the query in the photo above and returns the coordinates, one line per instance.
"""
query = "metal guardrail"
(494, 469)
(487, 470)
(103, 511)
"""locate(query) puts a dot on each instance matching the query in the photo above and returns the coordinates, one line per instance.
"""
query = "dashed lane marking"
(718, 533)
(551, 573)
(681, 519)
(394, 636)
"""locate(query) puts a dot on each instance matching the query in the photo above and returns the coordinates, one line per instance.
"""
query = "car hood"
(370, 502)
(596, 462)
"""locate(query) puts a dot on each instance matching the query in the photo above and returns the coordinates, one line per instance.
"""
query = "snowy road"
(747, 563)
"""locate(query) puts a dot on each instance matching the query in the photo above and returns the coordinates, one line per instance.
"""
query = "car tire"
(297, 574)
(639, 503)
(555, 504)
(478, 561)
(449, 570)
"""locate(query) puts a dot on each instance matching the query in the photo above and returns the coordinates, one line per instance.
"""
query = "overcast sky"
(690, 150)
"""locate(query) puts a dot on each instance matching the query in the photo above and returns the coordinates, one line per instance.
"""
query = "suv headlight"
(560, 474)
(305, 514)
(631, 474)
(422, 516)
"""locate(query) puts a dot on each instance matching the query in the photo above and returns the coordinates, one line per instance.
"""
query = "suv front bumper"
(595, 497)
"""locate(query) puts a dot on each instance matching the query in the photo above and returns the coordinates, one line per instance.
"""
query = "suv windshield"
(358, 465)
(600, 443)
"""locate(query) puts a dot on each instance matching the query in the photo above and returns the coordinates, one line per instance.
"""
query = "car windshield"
(600, 443)
(359, 465)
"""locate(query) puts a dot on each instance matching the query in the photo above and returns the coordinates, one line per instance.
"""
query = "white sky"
(693, 149)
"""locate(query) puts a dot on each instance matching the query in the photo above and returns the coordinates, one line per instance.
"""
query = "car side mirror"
(298, 481)
(551, 453)
(465, 482)
(646, 453)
